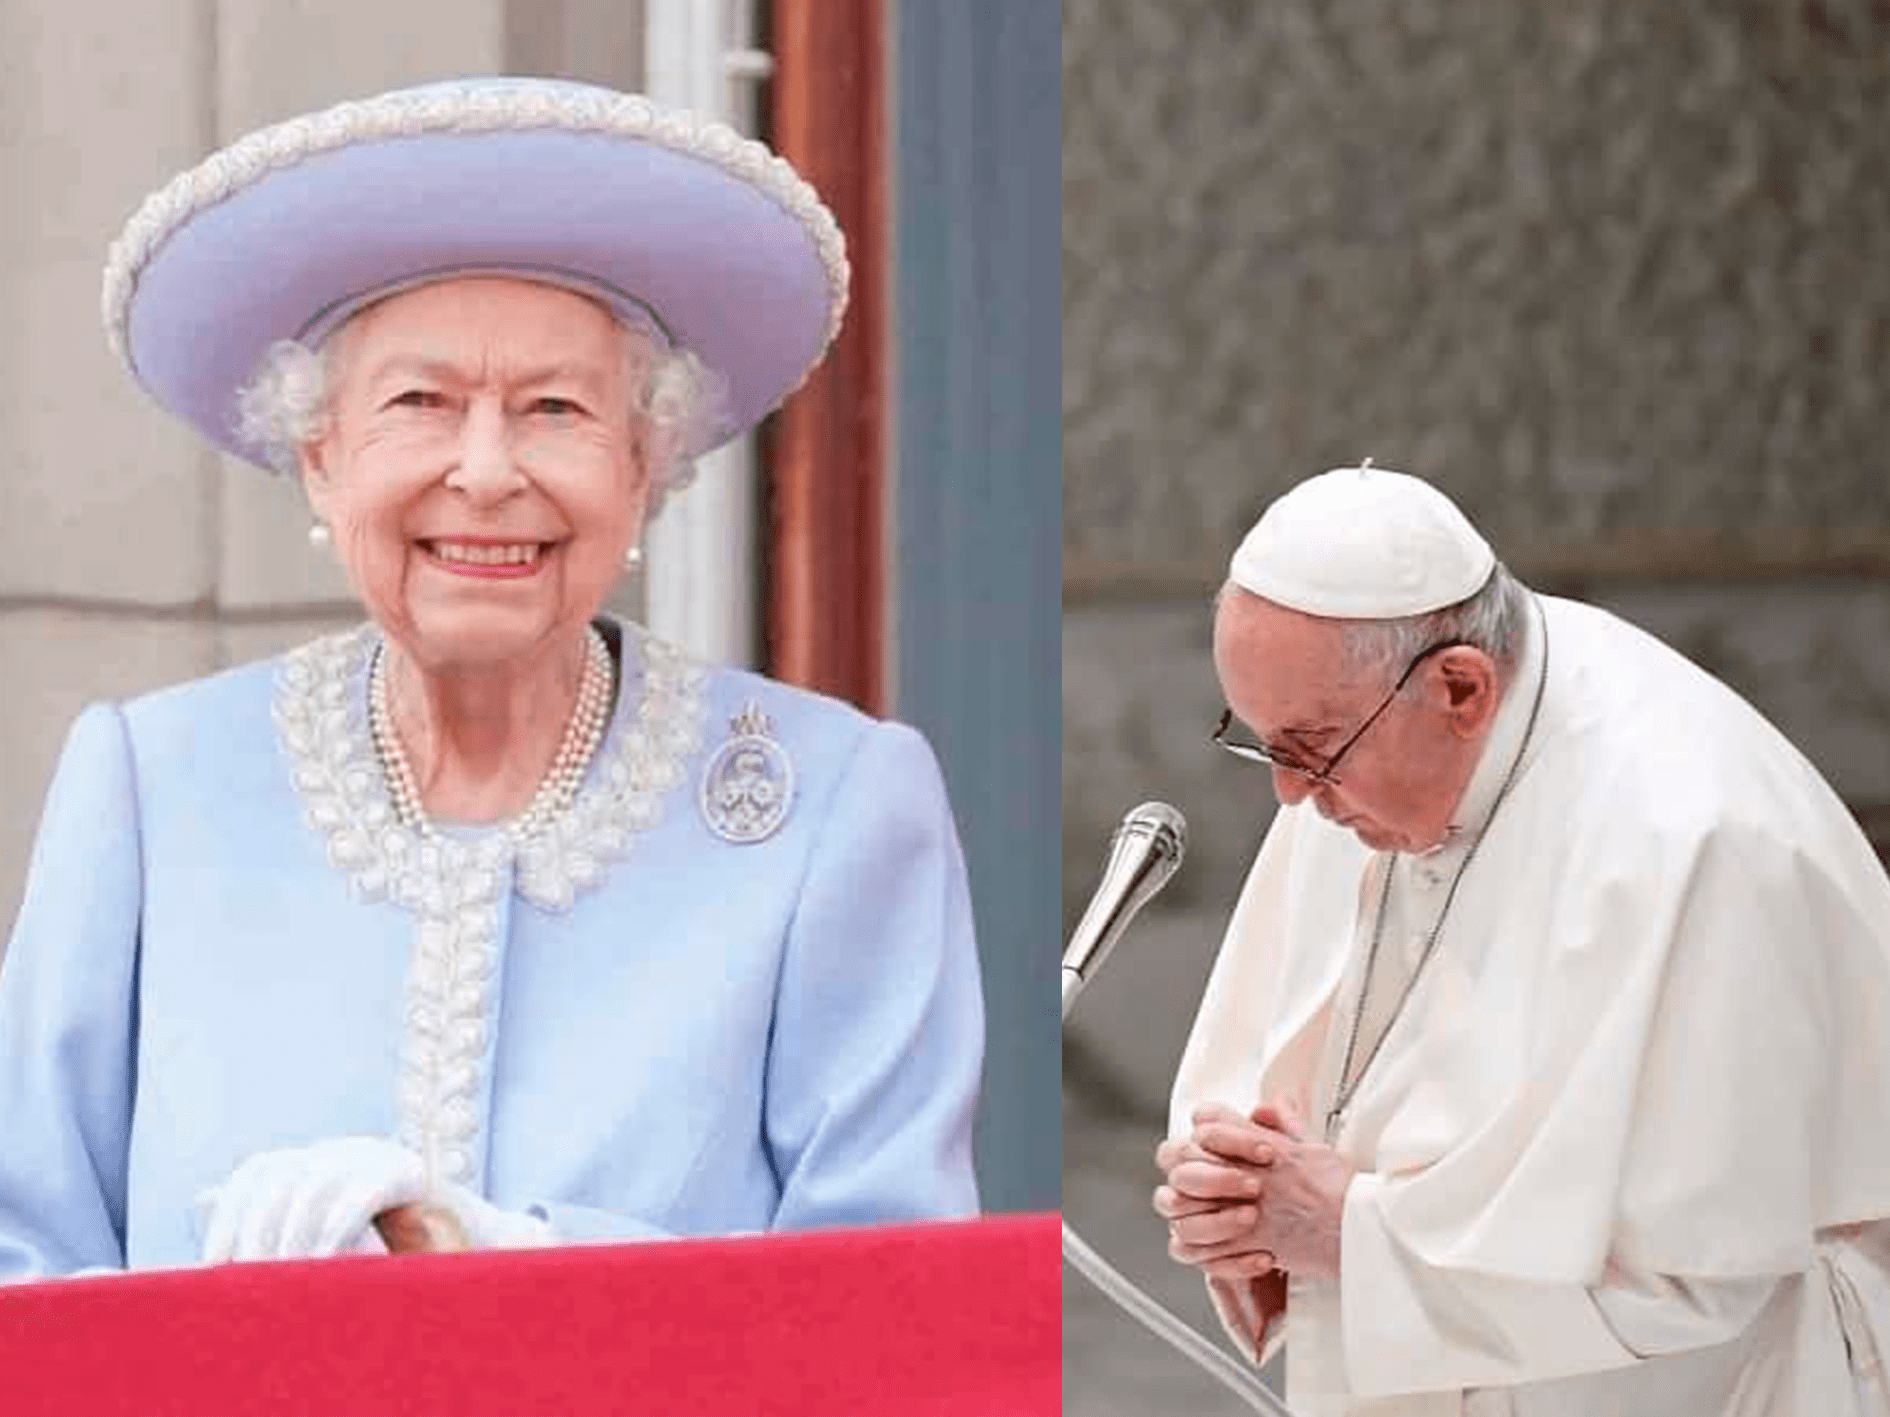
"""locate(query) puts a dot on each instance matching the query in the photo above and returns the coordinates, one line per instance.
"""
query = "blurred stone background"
(1610, 273)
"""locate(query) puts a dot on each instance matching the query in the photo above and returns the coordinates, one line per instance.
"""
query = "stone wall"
(1608, 272)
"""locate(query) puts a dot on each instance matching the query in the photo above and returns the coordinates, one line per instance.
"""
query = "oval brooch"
(748, 784)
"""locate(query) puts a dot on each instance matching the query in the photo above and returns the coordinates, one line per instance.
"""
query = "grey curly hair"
(286, 402)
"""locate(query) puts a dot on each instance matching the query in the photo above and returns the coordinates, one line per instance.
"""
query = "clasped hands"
(313, 1201)
(1247, 1195)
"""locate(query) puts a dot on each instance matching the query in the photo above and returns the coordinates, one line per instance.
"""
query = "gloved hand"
(319, 1200)
(310, 1201)
(490, 1227)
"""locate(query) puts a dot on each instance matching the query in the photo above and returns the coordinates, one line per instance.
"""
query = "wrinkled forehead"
(1280, 667)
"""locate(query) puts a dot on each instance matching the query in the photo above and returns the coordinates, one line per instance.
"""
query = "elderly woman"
(496, 903)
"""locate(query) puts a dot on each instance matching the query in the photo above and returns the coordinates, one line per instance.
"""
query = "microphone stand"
(1083, 1257)
(1146, 849)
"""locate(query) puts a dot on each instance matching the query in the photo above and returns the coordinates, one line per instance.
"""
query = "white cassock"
(1626, 1149)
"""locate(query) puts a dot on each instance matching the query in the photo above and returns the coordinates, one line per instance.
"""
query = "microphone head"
(1143, 854)
(1164, 823)
(1156, 830)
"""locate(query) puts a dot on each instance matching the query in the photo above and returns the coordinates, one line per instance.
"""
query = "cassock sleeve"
(1732, 1136)
(878, 1037)
(68, 1017)
(1409, 1327)
(1654, 1315)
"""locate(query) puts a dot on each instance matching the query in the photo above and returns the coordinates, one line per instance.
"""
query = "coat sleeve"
(878, 1039)
(68, 1017)
(873, 1059)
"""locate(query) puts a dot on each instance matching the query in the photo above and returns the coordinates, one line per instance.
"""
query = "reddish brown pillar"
(827, 453)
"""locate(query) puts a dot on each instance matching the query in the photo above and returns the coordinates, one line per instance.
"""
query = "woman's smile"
(487, 558)
(504, 527)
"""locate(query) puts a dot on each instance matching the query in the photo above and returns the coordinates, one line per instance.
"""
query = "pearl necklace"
(559, 789)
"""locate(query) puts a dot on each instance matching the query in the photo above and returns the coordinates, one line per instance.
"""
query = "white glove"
(488, 1226)
(319, 1200)
(311, 1201)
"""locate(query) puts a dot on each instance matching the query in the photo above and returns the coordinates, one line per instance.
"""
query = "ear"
(649, 450)
(315, 458)
(1470, 682)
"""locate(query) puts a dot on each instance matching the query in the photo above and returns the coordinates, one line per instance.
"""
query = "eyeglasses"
(1321, 776)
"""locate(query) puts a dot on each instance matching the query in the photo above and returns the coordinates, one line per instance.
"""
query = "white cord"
(1151, 1315)
(1164, 1325)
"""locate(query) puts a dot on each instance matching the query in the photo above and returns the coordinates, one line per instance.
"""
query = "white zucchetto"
(1363, 543)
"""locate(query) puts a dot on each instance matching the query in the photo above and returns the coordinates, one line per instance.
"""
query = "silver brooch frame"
(748, 784)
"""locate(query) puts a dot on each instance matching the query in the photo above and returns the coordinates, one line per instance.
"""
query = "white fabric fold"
(1648, 1061)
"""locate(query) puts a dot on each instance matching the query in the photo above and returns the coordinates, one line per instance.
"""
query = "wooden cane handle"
(420, 1228)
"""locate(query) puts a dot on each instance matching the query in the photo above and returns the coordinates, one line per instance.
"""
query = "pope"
(1544, 1068)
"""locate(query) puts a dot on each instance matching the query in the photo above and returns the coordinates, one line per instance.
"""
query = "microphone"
(1143, 854)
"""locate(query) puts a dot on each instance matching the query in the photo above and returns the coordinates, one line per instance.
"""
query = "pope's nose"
(1291, 787)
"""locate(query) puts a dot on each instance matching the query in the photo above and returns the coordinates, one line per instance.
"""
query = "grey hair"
(682, 400)
(1492, 620)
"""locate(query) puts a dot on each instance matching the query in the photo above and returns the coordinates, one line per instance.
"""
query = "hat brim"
(732, 275)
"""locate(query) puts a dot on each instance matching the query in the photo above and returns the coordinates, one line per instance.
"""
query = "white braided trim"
(413, 113)
(453, 887)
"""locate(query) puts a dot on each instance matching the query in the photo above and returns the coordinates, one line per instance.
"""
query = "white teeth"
(518, 554)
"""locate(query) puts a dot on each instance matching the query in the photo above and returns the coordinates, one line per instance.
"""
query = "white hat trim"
(472, 110)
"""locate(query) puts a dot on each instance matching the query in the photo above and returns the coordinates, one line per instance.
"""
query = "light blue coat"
(633, 1027)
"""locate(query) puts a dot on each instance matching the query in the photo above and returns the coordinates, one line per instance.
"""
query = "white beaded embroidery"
(452, 886)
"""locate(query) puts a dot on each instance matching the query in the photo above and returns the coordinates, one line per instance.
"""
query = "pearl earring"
(318, 535)
(633, 559)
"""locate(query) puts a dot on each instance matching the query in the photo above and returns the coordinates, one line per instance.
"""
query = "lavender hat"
(681, 225)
